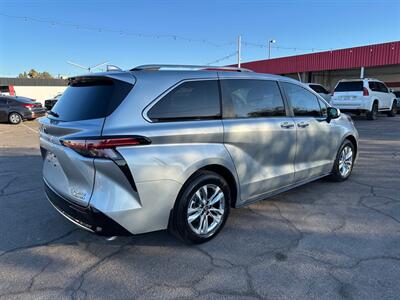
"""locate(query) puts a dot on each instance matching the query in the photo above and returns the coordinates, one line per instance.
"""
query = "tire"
(393, 111)
(339, 171)
(14, 118)
(372, 115)
(192, 198)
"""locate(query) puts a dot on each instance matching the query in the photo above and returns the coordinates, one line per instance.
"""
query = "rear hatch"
(78, 115)
(349, 91)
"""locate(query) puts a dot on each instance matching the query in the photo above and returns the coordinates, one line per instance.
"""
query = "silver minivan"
(174, 147)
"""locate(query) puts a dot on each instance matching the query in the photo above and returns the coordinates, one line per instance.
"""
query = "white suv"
(366, 95)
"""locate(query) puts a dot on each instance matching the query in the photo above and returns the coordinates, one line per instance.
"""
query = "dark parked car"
(49, 103)
(17, 109)
(397, 93)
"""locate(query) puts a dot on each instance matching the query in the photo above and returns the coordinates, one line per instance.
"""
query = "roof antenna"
(89, 69)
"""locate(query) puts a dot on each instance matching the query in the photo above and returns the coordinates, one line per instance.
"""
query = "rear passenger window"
(192, 100)
(318, 89)
(374, 86)
(247, 98)
(383, 87)
(304, 103)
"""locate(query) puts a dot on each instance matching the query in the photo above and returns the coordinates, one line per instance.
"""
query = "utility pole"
(239, 45)
(269, 47)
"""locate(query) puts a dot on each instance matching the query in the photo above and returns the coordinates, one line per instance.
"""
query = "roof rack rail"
(113, 68)
(159, 67)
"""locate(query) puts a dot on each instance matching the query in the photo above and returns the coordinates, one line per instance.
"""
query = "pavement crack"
(81, 278)
(40, 244)
(7, 185)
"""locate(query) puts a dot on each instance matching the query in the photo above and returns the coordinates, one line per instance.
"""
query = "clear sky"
(130, 33)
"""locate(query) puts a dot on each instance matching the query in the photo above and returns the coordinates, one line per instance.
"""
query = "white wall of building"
(40, 93)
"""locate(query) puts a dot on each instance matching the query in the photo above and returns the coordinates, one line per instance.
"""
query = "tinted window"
(4, 89)
(90, 98)
(397, 94)
(382, 87)
(303, 102)
(349, 86)
(192, 100)
(253, 98)
(318, 89)
(374, 86)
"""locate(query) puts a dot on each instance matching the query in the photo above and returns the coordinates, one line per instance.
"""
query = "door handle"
(303, 124)
(287, 125)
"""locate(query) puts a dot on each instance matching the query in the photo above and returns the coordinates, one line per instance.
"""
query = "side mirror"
(333, 113)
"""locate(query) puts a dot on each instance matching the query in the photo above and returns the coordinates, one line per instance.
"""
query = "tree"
(23, 75)
(35, 74)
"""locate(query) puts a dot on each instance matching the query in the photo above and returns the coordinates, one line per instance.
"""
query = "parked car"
(49, 103)
(366, 95)
(16, 109)
(320, 90)
(397, 94)
(136, 151)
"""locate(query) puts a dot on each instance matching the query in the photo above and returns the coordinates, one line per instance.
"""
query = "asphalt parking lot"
(321, 241)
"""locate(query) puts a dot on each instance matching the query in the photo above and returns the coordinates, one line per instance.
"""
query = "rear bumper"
(353, 105)
(87, 218)
(33, 114)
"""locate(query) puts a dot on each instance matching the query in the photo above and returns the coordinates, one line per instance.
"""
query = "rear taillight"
(103, 147)
(365, 92)
(28, 105)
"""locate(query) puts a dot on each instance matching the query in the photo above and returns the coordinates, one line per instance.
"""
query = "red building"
(380, 61)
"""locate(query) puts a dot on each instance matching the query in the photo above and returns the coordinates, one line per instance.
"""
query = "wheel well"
(224, 172)
(353, 140)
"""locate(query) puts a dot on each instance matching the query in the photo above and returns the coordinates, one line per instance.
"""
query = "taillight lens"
(365, 92)
(103, 147)
(28, 105)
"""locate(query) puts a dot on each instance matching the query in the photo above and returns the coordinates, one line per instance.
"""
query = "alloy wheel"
(345, 161)
(206, 209)
(15, 118)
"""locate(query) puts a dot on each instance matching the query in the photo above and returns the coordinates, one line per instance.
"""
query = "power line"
(174, 37)
(120, 32)
(256, 45)
(222, 58)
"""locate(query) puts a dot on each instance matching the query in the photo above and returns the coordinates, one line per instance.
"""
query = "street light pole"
(269, 47)
(239, 46)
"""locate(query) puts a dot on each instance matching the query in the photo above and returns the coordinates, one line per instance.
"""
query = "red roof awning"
(365, 56)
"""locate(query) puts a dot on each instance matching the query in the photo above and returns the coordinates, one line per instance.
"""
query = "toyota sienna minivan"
(175, 147)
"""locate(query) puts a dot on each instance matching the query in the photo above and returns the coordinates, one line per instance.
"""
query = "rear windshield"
(23, 99)
(350, 86)
(90, 98)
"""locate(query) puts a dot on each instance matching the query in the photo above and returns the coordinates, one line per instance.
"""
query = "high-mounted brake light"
(103, 147)
(365, 92)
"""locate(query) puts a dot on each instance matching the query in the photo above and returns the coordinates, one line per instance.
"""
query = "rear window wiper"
(52, 113)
